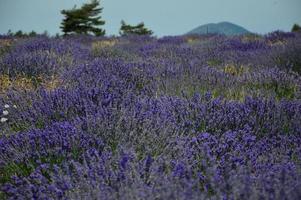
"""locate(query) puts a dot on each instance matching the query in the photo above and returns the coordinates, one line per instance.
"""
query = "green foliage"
(19, 126)
(19, 34)
(139, 29)
(32, 34)
(24, 169)
(20, 169)
(214, 62)
(40, 124)
(10, 33)
(280, 90)
(296, 28)
(84, 20)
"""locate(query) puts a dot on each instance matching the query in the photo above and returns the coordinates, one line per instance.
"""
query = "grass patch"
(280, 90)
(214, 62)
(24, 169)
(235, 70)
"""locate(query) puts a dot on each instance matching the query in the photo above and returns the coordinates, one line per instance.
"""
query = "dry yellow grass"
(276, 43)
(26, 84)
(250, 38)
(6, 42)
(192, 39)
(52, 83)
(4, 82)
(103, 44)
(235, 70)
(19, 82)
(98, 46)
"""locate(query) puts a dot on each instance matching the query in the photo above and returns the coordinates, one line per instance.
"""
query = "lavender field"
(139, 117)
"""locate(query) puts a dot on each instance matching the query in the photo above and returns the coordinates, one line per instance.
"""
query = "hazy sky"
(164, 17)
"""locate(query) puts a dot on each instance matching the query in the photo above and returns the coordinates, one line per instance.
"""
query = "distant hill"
(223, 28)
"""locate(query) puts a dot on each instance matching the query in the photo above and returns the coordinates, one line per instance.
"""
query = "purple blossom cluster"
(186, 117)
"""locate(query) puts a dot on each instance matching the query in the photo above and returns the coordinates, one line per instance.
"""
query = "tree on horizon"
(83, 20)
(296, 28)
(139, 29)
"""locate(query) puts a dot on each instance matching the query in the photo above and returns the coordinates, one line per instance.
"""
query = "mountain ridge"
(222, 28)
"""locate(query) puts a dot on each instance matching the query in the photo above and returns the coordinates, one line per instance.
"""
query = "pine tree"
(19, 34)
(139, 29)
(296, 28)
(32, 34)
(84, 20)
